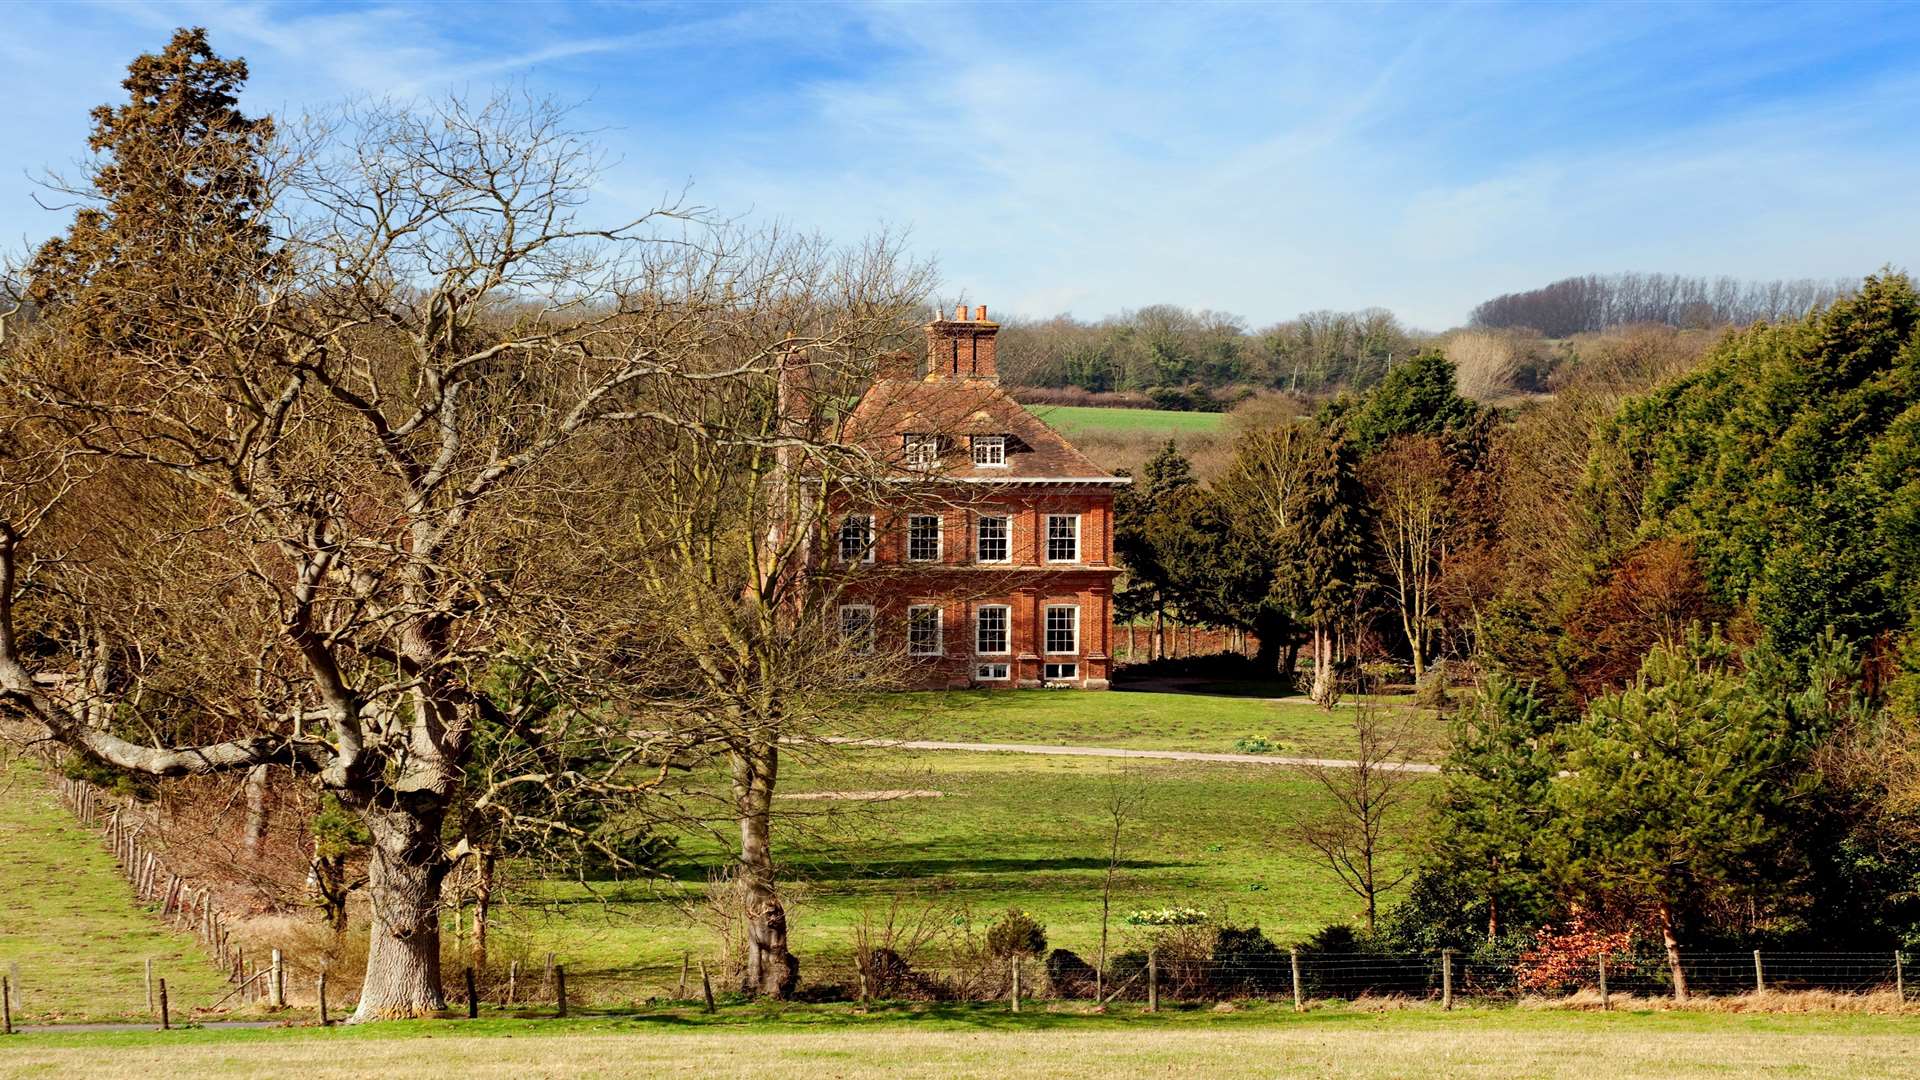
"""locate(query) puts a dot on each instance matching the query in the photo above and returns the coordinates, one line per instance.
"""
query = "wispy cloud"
(1259, 159)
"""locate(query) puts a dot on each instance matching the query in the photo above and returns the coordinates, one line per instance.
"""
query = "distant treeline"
(1175, 355)
(1580, 305)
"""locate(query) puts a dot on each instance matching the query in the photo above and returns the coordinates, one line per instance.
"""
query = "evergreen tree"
(1418, 397)
(174, 218)
(1166, 477)
(1678, 790)
(1497, 781)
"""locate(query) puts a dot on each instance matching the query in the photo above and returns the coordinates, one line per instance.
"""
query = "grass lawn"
(1074, 421)
(69, 924)
(811, 1042)
(1149, 721)
(1008, 830)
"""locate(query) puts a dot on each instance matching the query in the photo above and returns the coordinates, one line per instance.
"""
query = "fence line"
(186, 905)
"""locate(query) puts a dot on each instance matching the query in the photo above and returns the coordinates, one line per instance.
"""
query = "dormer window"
(990, 451)
(923, 451)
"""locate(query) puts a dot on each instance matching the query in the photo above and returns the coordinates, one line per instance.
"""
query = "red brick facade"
(1035, 609)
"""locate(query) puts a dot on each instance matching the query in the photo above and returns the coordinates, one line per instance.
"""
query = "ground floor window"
(990, 672)
(923, 630)
(1062, 672)
(990, 628)
(856, 626)
(1063, 629)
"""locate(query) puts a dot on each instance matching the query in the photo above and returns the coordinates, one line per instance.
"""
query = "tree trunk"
(772, 969)
(404, 875)
(256, 828)
(1673, 954)
(1322, 691)
(482, 908)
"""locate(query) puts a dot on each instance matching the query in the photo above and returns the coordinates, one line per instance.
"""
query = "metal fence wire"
(1441, 977)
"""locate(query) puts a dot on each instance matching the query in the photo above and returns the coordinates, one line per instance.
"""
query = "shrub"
(1245, 962)
(1016, 934)
(1433, 691)
(1068, 976)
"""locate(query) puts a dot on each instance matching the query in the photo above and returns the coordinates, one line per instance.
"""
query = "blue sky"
(1259, 159)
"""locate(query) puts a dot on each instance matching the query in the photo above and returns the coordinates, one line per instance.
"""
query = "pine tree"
(1678, 789)
(1497, 780)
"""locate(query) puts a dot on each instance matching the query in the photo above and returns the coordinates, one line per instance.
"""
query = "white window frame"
(866, 555)
(1006, 630)
(1066, 671)
(1051, 518)
(995, 447)
(939, 631)
(1046, 630)
(981, 672)
(1006, 537)
(923, 451)
(939, 538)
(865, 648)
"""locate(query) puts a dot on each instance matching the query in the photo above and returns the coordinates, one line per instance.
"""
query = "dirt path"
(1120, 752)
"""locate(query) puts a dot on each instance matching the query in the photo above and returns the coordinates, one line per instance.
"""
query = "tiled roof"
(954, 409)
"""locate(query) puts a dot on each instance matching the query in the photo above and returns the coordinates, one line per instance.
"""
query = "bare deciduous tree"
(1364, 832)
(376, 437)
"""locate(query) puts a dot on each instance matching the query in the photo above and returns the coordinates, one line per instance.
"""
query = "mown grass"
(69, 924)
(1336, 1041)
(1074, 421)
(1212, 723)
(1007, 831)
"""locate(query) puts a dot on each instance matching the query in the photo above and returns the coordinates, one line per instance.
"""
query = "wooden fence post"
(513, 980)
(322, 988)
(547, 976)
(473, 998)
(6, 1005)
(277, 984)
(1759, 974)
(1899, 975)
(149, 981)
(706, 986)
(560, 988)
(1604, 1003)
(1446, 979)
(1153, 980)
(165, 1022)
(686, 960)
(1299, 1001)
(1013, 995)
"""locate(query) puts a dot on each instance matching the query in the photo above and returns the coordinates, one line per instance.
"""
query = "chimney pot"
(959, 313)
(980, 313)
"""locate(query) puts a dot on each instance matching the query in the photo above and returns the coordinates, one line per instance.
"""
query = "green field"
(1212, 723)
(1074, 421)
(1005, 830)
(801, 1041)
(68, 922)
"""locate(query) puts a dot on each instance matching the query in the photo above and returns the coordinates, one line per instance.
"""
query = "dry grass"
(1348, 1044)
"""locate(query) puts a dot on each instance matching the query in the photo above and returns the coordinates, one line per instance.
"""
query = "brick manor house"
(995, 566)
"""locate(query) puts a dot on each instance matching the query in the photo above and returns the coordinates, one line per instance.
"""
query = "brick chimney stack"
(962, 347)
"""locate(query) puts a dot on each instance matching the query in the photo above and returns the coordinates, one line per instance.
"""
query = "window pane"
(1063, 630)
(1063, 538)
(993, 539)
(990, 629)
(856, 626)
(989, 449)
(923, 631)
(923, 450)
(923, 537)
(856, 537)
